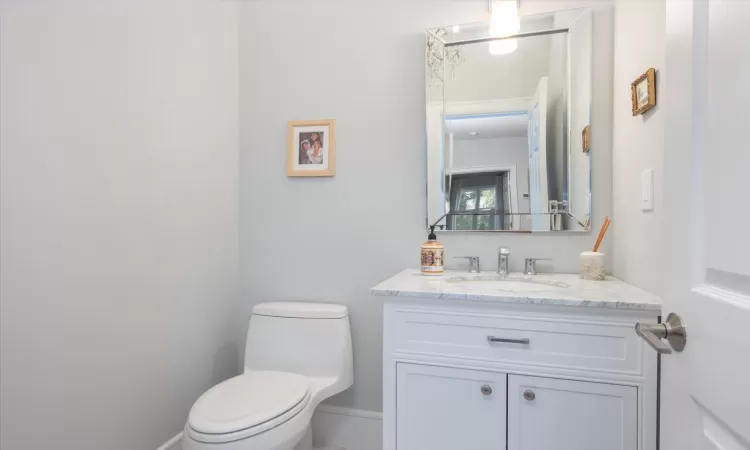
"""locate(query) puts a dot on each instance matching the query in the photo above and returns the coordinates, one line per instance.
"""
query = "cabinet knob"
(529, 394)
(486, 389)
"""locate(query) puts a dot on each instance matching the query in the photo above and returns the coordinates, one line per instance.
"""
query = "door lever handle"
(673, 330)
(653, 335)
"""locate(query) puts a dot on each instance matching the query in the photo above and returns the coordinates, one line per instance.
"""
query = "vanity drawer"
(538, 341)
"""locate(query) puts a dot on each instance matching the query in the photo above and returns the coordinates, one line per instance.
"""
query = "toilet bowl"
(296, 355)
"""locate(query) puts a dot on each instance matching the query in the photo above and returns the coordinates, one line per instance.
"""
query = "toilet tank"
(310, 339)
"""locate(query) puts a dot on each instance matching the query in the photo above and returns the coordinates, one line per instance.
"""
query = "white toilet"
(297, 354)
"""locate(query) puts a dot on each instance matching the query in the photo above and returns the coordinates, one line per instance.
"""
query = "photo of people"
(311, 147)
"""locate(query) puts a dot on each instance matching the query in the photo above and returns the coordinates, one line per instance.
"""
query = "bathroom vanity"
(540, 362)
(482, 362)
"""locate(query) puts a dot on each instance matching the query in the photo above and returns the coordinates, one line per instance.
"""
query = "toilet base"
(306, 442)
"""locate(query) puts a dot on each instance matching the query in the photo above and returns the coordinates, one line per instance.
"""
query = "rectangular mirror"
(508, 145)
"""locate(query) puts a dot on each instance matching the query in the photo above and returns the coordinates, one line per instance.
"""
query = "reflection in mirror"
(488, 159)
(504, 126)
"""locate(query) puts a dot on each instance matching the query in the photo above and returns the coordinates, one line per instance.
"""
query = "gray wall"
(118, 218)
(639, 144)
(332, 239)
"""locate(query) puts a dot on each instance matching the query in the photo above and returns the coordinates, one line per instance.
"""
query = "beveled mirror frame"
(440, 51)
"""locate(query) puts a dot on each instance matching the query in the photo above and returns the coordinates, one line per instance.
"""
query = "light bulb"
(456, 28)
(503, 47)
(504, 20)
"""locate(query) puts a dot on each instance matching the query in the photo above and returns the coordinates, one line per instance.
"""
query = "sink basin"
(510, 282)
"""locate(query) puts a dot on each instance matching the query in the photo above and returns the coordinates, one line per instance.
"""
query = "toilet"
(296, 355)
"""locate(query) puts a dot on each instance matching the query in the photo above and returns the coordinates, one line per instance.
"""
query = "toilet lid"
(246, 401)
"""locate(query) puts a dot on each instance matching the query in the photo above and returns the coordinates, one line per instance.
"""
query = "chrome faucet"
(503, 256)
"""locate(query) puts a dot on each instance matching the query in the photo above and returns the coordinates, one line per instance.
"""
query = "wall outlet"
(647, 190)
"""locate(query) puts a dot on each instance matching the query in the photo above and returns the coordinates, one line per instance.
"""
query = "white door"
(440, 408)
(537, 134)
(551, 414)
(705, 389)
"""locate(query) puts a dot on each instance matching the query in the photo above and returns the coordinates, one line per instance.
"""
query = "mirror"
(508, 145)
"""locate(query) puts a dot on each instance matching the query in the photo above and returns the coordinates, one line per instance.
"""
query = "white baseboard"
(339, 428)
(173, 444)
(334, 428)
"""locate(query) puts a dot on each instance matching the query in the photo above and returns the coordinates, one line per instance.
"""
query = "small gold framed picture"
(643, 92)
(586, 138)
(311, 148)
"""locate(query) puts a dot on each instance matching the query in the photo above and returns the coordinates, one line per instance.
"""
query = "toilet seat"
(247, 405)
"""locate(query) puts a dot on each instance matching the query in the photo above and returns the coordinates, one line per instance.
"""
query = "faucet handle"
(530, 265)
(473, 263)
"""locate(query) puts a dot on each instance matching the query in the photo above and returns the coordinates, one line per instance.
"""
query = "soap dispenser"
(432, 255)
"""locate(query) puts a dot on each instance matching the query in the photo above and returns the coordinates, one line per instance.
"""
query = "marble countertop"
(544, 289)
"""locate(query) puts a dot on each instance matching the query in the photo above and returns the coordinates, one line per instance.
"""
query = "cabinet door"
(545, 414)
(440, 408)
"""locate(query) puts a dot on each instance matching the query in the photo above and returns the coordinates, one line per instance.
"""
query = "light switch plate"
(647, 190)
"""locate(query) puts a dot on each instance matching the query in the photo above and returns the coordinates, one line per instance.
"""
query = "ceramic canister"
(592, 266)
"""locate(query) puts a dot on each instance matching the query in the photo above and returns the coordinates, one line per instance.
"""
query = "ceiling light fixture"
(473, 133)
(504, 21)
(456, 28)
(503, 47)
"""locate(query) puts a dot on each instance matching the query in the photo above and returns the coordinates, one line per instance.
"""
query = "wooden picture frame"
(643, 92)
(311, 148)
(586, 138)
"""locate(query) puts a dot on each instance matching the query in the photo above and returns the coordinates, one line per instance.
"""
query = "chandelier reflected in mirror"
(437, 55)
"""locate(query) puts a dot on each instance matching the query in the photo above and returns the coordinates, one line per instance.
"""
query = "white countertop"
(610, 293)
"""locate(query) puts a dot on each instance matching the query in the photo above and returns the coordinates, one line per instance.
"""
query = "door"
(538, 190)
(547, 414)
(478, 193)
(439, 408)
(705, 389)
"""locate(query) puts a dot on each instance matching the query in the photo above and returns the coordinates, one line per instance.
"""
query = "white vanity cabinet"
(476, 367)
(559, 414)
(470, 413)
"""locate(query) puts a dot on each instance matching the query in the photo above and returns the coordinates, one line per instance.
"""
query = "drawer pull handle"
(529, 395)
(493, 339)
(486, 389)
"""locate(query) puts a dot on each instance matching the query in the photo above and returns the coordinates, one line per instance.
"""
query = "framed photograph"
(644, 92)
(586, 138)
(311, 148)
